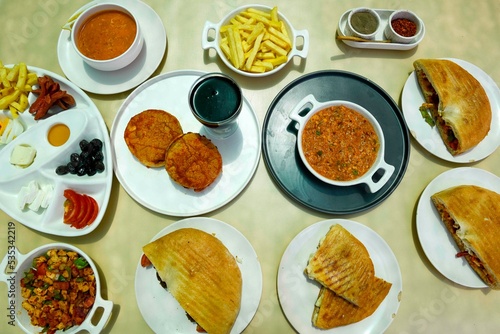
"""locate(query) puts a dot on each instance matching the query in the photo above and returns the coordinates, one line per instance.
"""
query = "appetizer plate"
(436, 241)
(154, 301)
(280, 134)
(152, 187)
(297, 294)
(102, 82)
(23, 263)
(85, 122)
(428, 137)
(379, 36)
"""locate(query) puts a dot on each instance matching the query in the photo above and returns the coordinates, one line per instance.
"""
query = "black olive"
(83, 144)
(62, 170)
(81, 171)
(71, 168)
(99, 156)
(99, 166)
(97, 143)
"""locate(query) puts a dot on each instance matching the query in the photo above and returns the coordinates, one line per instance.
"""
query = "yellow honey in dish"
(58, 134)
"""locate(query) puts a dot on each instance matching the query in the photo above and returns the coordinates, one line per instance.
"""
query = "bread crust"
(201, 274)
(149, 134)
(460, 102)
(193, 161)
(471, 215)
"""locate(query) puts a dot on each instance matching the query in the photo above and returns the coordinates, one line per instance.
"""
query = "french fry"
(252, 38)
(275, 48)
(253, 53)
(15, 85)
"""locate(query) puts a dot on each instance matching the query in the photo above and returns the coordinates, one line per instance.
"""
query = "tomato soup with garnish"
(340, 143)
(106, 35)
(58, 134)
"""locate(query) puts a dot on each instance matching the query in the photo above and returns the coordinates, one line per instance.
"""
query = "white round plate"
(297, 294)
(152, 187)
(85, 122)
(436, 241)
(429, 138)
(155, 302)
(102, 82)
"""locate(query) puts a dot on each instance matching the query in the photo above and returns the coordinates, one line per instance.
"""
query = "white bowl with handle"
(14, 265)
(208, 42)
(380, 171)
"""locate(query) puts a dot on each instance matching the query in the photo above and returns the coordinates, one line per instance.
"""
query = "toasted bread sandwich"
(471, 215)
(201, 274)
(457, 101)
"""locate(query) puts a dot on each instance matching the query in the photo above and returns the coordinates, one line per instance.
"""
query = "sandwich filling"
(471, 214)
(465, 251)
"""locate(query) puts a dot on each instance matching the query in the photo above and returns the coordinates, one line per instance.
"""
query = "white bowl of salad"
(55, 288)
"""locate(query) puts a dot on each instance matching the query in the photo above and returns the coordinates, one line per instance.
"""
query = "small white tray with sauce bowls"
(380, 36)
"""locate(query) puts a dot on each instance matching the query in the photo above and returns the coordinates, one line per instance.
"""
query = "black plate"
(280, 150)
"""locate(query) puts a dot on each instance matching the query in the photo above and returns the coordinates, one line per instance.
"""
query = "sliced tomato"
(71, 206)
(84, 208)
(95, 210)
(75, 208)
(89, 213)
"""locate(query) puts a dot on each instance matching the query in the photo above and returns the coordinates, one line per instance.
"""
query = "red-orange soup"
(339, 143)
(106, 35)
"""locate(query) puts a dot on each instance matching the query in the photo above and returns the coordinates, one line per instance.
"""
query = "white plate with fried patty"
(152, 187)
(163, 313)
(298, 294)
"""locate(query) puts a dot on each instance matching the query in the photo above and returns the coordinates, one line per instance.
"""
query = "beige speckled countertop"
(263, 213)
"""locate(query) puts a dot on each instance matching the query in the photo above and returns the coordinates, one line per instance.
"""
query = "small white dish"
(119, 61)
(101, 82)
(16, 271)
(352, 29)
(384, 14)
(154, 301)
(297, 294)
(429, 138)
(214, 43)
(393, 35)
(436, 241)
(379, 166)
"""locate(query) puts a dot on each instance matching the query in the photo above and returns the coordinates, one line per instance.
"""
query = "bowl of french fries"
(255, 40)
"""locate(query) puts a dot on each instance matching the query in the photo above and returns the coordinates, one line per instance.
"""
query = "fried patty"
(193, 161)
(149, 134)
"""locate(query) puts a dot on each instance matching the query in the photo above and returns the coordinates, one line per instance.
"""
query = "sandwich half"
(457, 102)
(471, 214)
(201, 274)
(342, 264)
(332, 311)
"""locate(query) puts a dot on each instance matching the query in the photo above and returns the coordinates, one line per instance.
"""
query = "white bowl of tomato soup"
(107, 37)
(341, 143)
(49, 273)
